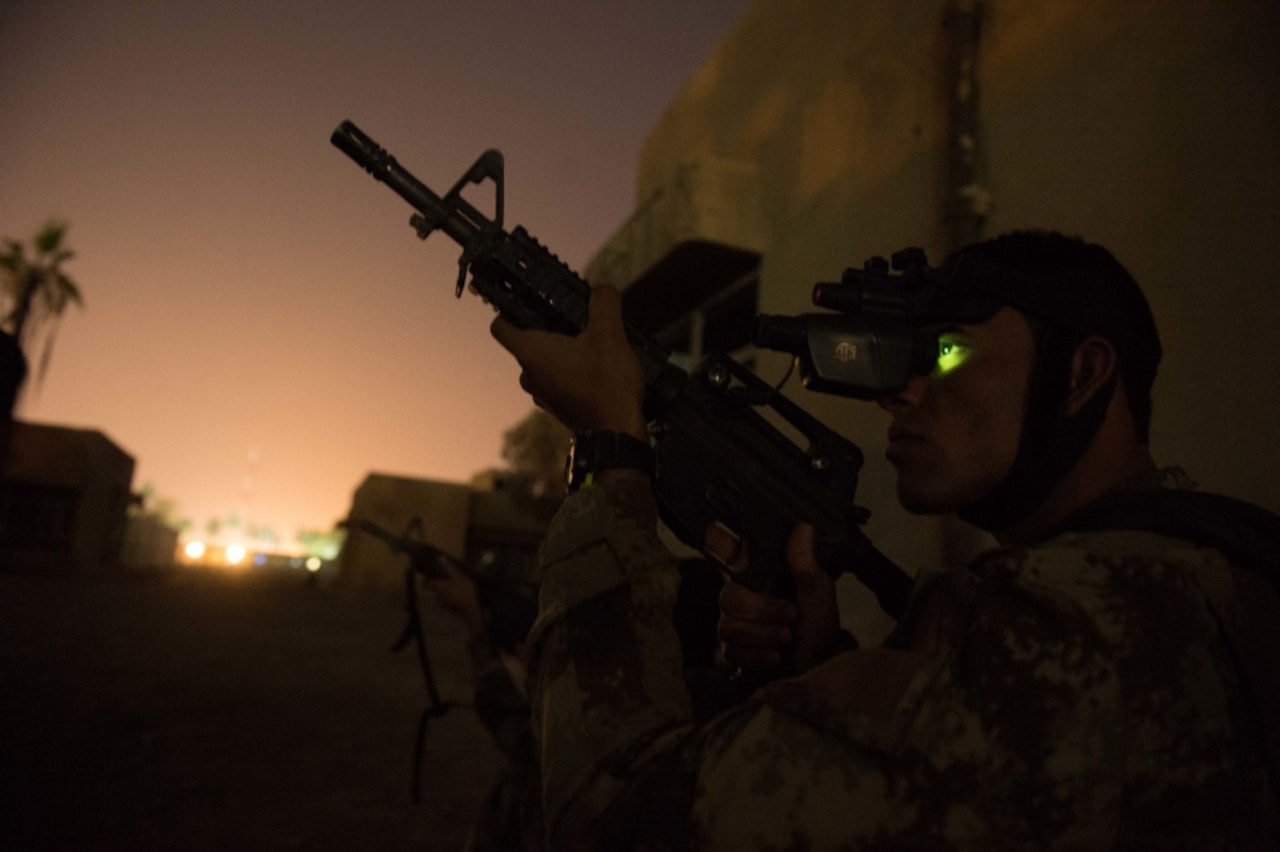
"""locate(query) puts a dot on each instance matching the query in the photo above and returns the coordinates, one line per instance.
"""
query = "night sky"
(262, 327)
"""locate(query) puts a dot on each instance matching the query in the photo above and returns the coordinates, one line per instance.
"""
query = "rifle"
(718, 458)
(423, 559)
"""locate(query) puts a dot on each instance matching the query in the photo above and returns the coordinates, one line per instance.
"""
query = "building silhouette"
(64, 499)
(493, 525)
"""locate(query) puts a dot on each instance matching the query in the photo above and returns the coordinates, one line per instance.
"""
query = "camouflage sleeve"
(1027, 704)
(624, 766)
(605, 660)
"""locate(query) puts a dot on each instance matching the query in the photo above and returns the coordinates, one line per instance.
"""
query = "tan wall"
(1149, 127)
(393, 503)
(1158, 138)
(96, 477)
(149, 544)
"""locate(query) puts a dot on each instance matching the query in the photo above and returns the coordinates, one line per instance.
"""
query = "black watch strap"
(592, 452)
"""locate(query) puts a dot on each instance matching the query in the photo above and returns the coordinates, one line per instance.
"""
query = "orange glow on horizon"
(247, 286)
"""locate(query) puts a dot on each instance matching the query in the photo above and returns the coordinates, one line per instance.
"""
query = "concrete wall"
(1149, 127)
(494, 525)
(65, 498)
(395, 504)
(149, 545)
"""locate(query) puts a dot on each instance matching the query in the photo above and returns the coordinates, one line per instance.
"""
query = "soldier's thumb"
(805, 570)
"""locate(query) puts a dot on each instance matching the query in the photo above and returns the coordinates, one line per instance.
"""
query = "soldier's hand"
(756, 630)
(591, 381)
(458, 594)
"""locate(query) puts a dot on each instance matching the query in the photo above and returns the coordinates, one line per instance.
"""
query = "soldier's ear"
(1092, 366)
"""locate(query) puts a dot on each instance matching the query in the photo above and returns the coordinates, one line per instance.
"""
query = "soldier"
(510, 816)
(1104, 677)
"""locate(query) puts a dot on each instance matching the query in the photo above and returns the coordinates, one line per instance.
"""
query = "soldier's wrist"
(615, 455)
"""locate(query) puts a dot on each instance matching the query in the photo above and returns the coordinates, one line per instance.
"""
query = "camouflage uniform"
(1082, 693)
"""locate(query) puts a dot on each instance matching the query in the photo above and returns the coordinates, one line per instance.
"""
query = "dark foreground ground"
(201, 711)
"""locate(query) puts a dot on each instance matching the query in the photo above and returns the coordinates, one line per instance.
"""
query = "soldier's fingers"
(525, 344)
(505, 333)
(752, 635)
(605, 308)
(751, 658)
(726, 547)
(739, 602)
(527, 385)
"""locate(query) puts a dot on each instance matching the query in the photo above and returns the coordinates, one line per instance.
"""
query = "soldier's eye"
(951, 354)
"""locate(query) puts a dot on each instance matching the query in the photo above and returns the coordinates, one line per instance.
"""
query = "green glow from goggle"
(950, 356)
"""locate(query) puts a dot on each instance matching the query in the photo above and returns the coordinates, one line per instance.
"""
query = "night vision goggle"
(878, 335)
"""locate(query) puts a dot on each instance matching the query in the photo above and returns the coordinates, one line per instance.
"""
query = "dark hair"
(1087, 289)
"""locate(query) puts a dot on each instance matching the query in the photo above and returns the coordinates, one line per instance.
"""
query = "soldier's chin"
(923, 503)
(934, 495)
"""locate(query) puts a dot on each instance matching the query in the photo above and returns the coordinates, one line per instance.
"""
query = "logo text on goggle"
(846, 351)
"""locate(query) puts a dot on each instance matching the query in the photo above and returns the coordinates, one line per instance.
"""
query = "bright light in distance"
(313, 564)
(235, 554)
(194, 549)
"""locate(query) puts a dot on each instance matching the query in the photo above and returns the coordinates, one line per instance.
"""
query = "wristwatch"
(592, 452)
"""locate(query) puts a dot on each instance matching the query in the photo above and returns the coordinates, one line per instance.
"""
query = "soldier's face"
(955, 431)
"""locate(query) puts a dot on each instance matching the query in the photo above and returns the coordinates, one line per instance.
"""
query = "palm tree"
(536, 448)
(37, 291)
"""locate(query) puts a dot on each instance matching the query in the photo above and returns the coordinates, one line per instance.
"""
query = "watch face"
(581, 462)
(589, 453)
